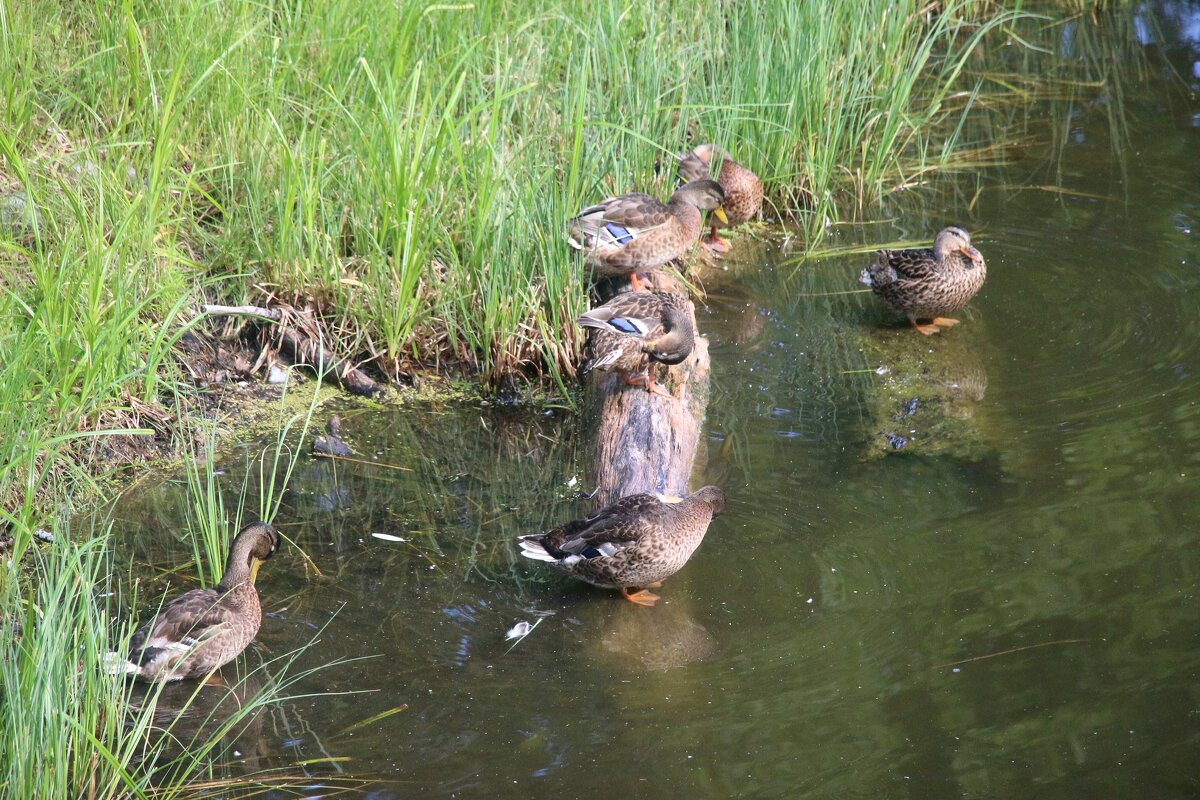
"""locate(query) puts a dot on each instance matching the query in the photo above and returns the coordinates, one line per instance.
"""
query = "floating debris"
(518, 631)
(895, 440)
(387, 537)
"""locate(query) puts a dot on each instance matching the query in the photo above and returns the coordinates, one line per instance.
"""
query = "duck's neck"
(241, 568)
(685, 211)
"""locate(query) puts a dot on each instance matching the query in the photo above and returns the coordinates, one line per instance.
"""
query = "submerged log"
(645, 442)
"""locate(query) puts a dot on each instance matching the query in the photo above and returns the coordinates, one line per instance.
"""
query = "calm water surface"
(963, 566)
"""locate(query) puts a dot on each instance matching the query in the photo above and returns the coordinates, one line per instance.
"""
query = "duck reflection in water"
(187, 715)
(923, 396)
(664, 638)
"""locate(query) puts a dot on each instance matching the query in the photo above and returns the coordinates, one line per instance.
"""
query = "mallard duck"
(636, 542)
(926, 284)
(633, 233)
(635, 328)
(203, 629)
(743, 190)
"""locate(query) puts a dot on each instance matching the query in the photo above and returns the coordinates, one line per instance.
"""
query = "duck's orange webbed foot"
(944, 322)
(654, 387)
(715, 243)
(641, 379)
(639, 596)
(648, 383)
(928, 330)
(637, 283)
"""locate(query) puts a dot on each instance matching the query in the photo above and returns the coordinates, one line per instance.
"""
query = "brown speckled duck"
(743, 190)
(204, 629)
(633, 233)
(636, 542)
(636, 328)
(928, 284)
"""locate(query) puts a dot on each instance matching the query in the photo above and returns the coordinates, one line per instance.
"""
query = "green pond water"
(960, 566)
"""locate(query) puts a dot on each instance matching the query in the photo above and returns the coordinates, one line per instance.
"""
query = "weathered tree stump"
(645, 442)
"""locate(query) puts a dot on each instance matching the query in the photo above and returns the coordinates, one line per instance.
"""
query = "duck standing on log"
(634, 330)
(928, 284)
(743, 190)
(636, 542)
(634, 233)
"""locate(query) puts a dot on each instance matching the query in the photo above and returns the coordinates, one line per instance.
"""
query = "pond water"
(957, 566)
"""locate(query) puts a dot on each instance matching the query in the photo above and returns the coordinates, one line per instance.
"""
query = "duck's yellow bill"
(719, 213)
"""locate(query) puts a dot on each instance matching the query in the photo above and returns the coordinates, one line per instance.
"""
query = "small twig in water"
(368, 462)
(1013, 650)
(831, 294)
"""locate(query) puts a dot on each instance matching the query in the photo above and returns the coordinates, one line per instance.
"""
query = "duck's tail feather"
(117, 664)
(532, 548)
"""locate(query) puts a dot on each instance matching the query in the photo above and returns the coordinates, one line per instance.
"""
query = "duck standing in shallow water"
(743, 190)
(635, 329)
(633, 233)
(204, 629)
(928, 284)
(636, 542)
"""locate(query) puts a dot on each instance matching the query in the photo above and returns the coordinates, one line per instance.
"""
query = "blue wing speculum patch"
(620, 234)
(624, 325)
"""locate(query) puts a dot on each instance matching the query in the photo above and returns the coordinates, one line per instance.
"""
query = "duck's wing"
(625, 522)
(630, 313)
(901, 265)
(603, 534)
(181, 625)
(617, 221)
(911, 265)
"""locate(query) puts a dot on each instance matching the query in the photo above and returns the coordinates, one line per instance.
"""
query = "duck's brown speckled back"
(924, 284)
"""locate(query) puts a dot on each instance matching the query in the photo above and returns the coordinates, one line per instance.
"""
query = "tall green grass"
(88, 319)
(57, 703)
